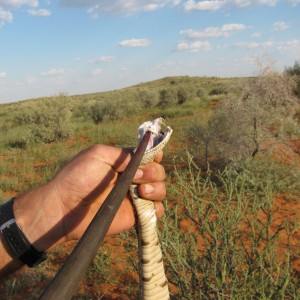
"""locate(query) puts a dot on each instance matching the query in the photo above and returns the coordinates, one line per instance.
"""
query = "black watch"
(15, 240)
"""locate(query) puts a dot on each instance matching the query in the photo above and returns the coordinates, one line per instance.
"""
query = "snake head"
(159, 132)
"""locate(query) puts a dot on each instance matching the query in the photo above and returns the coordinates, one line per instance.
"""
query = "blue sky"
(49, 47)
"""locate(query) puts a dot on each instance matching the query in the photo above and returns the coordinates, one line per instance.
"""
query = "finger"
(152, 172)
(159, 209)
(155, 191)
(158, 158)
(124, 219)
(117, 158)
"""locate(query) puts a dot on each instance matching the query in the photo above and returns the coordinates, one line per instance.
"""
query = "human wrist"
(16, 242)
(36, 215)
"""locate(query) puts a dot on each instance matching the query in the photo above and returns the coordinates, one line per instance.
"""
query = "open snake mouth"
(159, 132)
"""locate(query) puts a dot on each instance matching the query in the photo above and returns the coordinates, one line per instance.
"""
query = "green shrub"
(166, 98)
(201, 92)
(221, 240)
(257, 110)
(24, 116)
(294, 70)
(182, 96)
(147, 98)
(217, 91)
(51, 123)
(297, 88)
(82, 111)
(105, 111)
(45, 121)
(228, 247)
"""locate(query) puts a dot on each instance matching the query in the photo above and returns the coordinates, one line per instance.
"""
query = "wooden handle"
(67, 279)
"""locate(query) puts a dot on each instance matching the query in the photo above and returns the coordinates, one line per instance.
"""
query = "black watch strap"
(15, 240)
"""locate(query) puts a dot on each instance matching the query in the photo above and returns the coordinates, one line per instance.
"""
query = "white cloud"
(294, 2)
(267, 2)
(3, 75)
(195, 46)
(96, 72)
(103, 59)
(31, 80)
(39, 12)
(279, 26)
(233, 27)
(18, 3)
(5, 16)
(128, 7)
(135, 43)
(203, 5)
(256, 34)
(252, 45)
(53, 72)
(213, 5)
(7, 5)
(210, 32)
(290, 45)
(153, 6)
(213, 32)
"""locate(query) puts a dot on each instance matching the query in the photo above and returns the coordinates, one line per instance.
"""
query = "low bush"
(101, 111)
(50, 124)
(147, 98)
(182, 96)
(221, 242)
(47, 122)
(217, 91)
(166, 98)
(222, 239)
(201, 92)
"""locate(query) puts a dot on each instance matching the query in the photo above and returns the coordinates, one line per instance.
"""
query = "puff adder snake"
(153, 281)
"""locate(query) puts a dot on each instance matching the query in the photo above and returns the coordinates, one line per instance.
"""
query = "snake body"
(153, 281)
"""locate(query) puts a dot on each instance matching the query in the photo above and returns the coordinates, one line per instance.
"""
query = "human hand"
(68, 203)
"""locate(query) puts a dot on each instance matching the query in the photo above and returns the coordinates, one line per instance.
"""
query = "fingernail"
(139, 174)
(148, 188)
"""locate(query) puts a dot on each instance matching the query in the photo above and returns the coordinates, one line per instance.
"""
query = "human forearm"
(27, 213)
(7, 263)
(62, 209)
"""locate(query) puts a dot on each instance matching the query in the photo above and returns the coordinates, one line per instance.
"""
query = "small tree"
(50, 122)
(46, 121)
(257, 110)
(201, 92)
(182, 96)
(147, 98)
(203, 137)
(166, 97)
(262, 110)
(295, 72)
(105, 110)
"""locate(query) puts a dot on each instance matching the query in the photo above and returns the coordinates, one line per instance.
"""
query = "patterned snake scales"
(154, 284)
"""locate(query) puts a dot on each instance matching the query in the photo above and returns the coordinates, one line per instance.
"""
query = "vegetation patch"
(231, 228)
